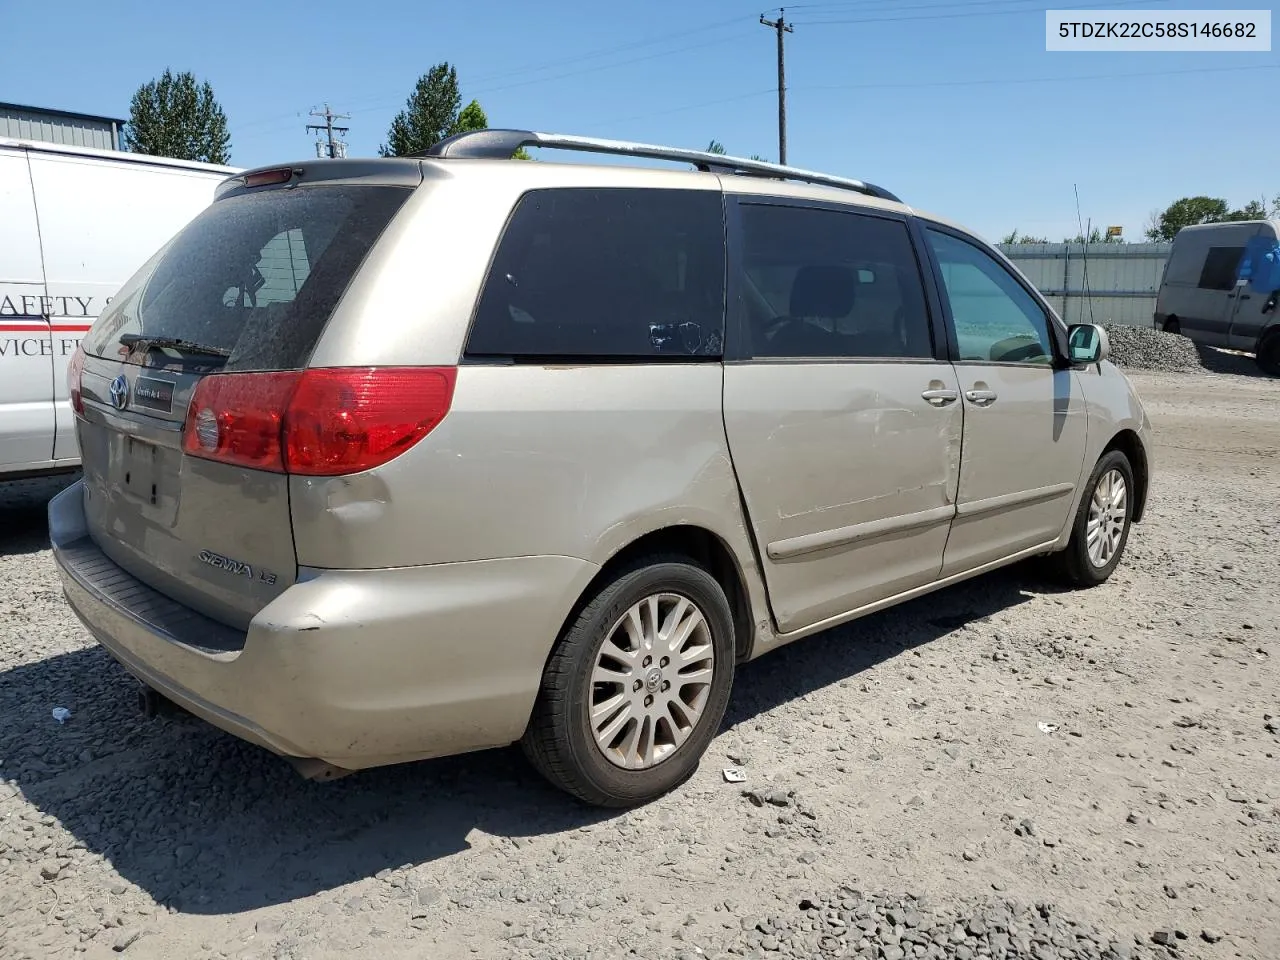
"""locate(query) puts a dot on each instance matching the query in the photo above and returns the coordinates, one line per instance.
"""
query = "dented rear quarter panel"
(532, 460)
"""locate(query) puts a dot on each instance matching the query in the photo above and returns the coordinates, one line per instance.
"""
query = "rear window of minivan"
(254, 275)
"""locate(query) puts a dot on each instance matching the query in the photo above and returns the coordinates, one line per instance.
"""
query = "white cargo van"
(75, 224)
(1220, 288)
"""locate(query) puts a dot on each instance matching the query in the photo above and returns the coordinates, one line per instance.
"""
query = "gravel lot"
(903, 797)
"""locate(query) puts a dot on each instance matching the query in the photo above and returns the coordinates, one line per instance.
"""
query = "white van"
(75, 224)
(1220, 288)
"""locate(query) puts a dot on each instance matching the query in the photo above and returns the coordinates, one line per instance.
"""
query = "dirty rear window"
(254, 276)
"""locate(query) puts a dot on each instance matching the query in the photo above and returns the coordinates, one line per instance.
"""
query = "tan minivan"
(392, 459)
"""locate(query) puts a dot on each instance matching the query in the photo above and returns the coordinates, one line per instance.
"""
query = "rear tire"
(627, 707)
(1172, 326)
(1105, 514)
(1268, 355)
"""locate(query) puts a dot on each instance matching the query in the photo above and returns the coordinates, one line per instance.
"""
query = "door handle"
(940, 398)
(981, 398)
(1244, 296)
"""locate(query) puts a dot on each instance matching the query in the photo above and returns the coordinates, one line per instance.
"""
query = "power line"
(932, 83)
(781, 28)
(335, 148)
(689, 106)
(381, 102)
(968, 12)
(605, 51)
(477, 92)
(1022, 80)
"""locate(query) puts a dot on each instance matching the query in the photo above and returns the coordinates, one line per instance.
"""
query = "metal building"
(60, 126)
(1105, 283)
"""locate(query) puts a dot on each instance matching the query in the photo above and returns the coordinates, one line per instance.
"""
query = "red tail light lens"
(344, 421)
(75, 370)
(321, 422)
(238, 418)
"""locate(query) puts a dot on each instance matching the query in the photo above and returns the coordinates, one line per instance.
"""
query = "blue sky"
(955, 106)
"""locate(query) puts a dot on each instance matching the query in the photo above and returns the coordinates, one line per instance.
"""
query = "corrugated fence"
(1105, 283)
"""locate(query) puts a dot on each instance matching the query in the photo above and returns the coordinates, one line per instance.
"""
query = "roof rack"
(495, 144)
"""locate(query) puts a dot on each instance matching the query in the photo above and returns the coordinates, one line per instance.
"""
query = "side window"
(829, 284)
(606, 273)
(1220, 266)
(995, 318)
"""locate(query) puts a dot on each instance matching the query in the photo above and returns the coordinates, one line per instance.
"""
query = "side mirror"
(1087, 344)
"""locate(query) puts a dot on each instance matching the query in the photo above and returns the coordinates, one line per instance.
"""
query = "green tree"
(430, 114)
(471, 117)
(1095, 236)
(1253, 210)
(1190, 211)
(176, 117)
(1186, 212)
(716, 147)
(434, 111)
(1015, 237)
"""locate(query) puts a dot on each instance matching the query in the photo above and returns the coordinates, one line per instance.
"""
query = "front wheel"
(1101, 527)
(1268, 355)
(637, 685)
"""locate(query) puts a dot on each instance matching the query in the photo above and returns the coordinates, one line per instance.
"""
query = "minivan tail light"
(75, 370)
(318, 422)
(346, 420)
(238, 418)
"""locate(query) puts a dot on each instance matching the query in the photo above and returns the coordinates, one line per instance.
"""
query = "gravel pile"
(1146, 349)
(850, 924)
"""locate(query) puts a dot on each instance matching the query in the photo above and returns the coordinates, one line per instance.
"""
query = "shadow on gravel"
(1221, 361)
(207, 824)
(24, 522)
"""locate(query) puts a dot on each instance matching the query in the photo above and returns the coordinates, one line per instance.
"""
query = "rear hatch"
(239, 297)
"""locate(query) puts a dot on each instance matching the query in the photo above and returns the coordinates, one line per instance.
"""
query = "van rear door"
(26, 346)
(243, 292)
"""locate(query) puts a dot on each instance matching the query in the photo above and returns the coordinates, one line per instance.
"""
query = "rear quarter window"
(606, 274)
(256, 275)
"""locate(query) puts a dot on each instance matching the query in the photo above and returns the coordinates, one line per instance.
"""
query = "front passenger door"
(1024, 419)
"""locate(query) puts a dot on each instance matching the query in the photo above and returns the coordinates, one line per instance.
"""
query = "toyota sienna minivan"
(391, 459)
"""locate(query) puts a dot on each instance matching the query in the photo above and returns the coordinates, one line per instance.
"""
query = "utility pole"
(781, 27)
(334, 149)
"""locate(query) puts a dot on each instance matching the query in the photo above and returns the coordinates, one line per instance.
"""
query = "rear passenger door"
(843, 424)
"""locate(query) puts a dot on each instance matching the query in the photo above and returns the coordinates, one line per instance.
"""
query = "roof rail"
(495, 144)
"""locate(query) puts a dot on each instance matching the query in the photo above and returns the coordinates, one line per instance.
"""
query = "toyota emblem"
(119, 392)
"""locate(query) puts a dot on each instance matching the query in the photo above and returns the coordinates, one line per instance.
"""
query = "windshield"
(250, 283)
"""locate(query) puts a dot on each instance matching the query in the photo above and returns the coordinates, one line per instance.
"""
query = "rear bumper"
(358, 668)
